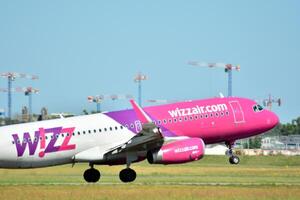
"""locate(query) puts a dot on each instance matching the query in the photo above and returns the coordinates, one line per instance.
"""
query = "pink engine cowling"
(180, 151)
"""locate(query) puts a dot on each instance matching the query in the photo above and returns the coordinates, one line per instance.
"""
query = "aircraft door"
(138, 126)
(237, 111)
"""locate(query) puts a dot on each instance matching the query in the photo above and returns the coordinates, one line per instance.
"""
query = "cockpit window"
(260, 108)
(257, 108)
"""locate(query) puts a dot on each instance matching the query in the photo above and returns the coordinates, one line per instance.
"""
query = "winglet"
(142, 116)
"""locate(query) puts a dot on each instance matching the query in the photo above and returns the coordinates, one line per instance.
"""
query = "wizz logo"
(40, 137)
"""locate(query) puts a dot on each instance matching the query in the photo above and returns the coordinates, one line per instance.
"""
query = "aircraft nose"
(272, 119)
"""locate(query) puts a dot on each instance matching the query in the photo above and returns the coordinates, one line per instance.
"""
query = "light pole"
(269, 102)
(28, 92)
(98, 99)
(228, 69)
(138, 79)
(11, 76)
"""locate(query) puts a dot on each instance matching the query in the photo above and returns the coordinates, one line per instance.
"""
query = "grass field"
(262, 177)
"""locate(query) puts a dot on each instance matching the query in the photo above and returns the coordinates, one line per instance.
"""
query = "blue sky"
(81, 48)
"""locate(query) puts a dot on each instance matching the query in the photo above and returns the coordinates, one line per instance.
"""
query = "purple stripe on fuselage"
(129, 118)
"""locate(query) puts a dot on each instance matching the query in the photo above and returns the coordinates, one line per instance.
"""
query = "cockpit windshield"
(257, 108)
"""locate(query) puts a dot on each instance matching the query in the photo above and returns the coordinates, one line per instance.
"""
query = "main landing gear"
(92, 175)
(233, 159)
(127, 175)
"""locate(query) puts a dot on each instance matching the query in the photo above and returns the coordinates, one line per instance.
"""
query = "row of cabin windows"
(186, 118)
(75, 133)
(190, 118)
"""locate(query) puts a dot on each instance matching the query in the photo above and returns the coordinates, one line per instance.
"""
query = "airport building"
(291, 142)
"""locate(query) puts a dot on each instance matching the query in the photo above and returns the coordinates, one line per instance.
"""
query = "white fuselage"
(62, 138)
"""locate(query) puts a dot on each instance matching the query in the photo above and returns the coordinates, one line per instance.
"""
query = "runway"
(151, 184)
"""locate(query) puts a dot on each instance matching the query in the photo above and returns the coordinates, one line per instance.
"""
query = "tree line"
(290, 128)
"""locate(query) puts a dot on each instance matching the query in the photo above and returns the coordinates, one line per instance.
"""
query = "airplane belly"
(8, 158)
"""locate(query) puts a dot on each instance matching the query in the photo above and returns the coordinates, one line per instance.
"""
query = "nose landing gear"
(233, 159)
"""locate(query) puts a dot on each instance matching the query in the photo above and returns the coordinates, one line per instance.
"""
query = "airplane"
(164, 134)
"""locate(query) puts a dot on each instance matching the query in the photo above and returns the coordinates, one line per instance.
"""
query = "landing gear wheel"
(234, 160)
(127, 175)
(91, 175)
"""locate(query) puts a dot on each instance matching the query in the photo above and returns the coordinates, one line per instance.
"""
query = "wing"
(148, 138)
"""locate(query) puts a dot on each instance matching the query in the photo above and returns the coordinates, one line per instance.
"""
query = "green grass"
(261, 177)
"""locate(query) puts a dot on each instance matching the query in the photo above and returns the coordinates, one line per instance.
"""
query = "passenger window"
(217, 114)
(170, 120)
(105, 129)
(95, 131)
(175, 120)
(83, 132)
(185, 118)
(89, 131)
(191, 117)
(165, 121)
(196, 117)
(206, 115)
(159, 122)
(99, 130)
(211, 115)
(121, 127)
(116, 128)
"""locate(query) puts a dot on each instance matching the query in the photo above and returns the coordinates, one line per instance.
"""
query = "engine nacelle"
(180, 151)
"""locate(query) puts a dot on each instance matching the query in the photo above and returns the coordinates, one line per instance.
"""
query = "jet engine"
(180, 151)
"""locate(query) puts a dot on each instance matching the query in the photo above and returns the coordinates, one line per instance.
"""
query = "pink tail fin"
(142, 116)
